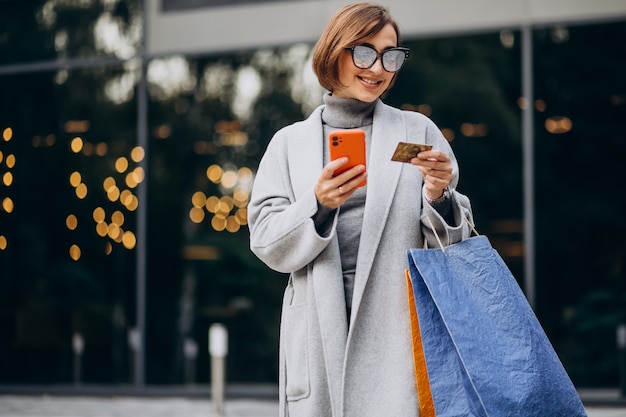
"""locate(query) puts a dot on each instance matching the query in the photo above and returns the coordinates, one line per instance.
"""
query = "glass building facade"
(124, 181)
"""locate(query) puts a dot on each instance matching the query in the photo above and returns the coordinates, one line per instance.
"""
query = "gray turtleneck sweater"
(342, 113)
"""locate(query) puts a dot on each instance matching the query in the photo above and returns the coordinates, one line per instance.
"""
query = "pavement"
(53, 406)
(50, 406)
(189, 404)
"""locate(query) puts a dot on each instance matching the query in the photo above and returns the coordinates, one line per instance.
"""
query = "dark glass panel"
(579, 152)
(42, 30)
(60, 273)
(210, 121)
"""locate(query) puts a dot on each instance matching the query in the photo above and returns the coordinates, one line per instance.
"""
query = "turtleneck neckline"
(347, 113)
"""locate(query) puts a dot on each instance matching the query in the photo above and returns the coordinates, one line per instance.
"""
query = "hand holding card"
(406, 151)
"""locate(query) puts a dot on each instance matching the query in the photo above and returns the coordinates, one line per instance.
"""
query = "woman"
(345, 347)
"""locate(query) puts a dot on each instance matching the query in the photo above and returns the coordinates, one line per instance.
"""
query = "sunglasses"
(392, 59)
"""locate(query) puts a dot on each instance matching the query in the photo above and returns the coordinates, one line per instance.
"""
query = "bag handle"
(432, 226)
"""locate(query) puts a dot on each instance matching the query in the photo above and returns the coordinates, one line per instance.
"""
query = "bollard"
(190, 350)
(78, 346)
(621, 353)
(134, 343)
(218, 349)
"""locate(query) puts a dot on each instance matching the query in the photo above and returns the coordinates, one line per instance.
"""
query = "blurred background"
(130, 135)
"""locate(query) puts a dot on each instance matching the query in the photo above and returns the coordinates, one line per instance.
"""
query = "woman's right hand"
(332, 191)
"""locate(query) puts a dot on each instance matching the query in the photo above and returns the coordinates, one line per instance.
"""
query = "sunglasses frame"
(379, 55)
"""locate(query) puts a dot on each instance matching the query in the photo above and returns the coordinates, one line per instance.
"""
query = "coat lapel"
(306, 164)
(382, 179)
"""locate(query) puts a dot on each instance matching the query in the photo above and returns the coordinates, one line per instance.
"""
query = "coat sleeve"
(282, 232)
(453, 227)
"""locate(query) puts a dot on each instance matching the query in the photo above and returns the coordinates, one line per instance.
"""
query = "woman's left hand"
(436, 169)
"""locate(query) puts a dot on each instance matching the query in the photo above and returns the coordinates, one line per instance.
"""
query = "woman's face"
(366, 84)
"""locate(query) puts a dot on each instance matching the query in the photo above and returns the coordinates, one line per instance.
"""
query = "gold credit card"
(407, 151)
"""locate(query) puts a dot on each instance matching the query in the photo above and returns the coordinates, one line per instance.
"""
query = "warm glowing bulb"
(196, 215)
(7, 134)
(101, 149)
(7, 205)
(132, 204)
(218, 222)
(140, 174)
(71, 221)
(131, 180)
(229, 179)
(226, 204)
(214, 173)
(137, 154)
(240, 197)
(75, 179)
(245, 175)
(212, 204)
(75, 252)
(242, 215)
(198, 199)
(98, 215)
(76, 144)
(10, 161)
(113, 193)
(102, 229)
(81, 190)
(118, 218)
(121, 164)
(108, 183)
(7, 179)
(232, 224)
(558, 124)
(129, 240)
(114, 231)
(126, 197)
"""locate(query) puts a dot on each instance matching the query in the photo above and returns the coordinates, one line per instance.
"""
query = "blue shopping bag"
(483, 350)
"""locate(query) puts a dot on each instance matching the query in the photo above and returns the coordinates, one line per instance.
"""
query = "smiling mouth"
(370, 82)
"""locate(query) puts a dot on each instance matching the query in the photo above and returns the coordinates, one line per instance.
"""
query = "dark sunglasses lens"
(393, 60)
(363, 56)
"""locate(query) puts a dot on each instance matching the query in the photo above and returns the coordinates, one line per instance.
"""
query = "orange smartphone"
(350, 143)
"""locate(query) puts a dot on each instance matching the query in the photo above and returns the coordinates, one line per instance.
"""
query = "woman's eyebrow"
(374, 48)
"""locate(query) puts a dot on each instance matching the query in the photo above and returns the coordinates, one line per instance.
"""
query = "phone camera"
(335, 140)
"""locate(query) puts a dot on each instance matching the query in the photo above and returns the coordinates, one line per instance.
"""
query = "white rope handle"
(432, 226)
(471, 226)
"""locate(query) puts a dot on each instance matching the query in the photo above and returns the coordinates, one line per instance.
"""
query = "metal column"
(528, 138)
(142, 209)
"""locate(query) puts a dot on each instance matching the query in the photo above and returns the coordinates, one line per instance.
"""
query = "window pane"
(210, 121)
(67, 255)
(41, 30)
(580, 130)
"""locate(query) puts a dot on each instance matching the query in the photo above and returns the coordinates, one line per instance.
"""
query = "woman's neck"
(347, 113)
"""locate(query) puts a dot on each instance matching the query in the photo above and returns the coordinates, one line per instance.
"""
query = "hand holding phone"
(350, 144)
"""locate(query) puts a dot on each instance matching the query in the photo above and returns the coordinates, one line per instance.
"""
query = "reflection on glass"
(71, 221)
(75, 252)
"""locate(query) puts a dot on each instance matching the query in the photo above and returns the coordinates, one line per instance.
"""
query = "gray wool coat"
(329, 367)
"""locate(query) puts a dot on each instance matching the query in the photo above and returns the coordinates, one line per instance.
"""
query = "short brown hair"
(348, 27)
